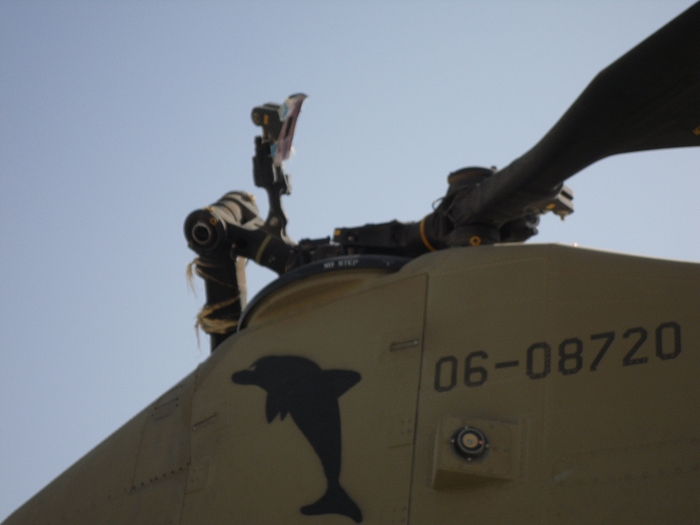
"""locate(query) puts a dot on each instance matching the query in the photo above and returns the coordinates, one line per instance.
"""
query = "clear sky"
(119, 118)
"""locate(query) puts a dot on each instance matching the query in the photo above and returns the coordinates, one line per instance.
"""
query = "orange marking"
(423, 236)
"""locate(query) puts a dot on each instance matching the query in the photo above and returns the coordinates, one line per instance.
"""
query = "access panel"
(310, 419)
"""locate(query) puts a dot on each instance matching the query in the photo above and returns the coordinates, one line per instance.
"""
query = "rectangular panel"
(314, 413)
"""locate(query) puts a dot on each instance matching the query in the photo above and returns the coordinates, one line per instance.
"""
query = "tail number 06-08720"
(569, 356)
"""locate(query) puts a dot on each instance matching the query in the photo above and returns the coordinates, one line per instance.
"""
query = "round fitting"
(469, 443)
(202, 233)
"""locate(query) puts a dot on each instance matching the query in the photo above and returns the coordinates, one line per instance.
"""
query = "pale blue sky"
(119, 118)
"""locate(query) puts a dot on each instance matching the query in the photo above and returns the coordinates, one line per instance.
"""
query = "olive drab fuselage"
(579, 367)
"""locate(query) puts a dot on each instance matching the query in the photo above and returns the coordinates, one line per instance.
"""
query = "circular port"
(469, 443)
(202, 233)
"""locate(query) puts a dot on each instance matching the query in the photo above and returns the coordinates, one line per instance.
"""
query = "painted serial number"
(569, 355)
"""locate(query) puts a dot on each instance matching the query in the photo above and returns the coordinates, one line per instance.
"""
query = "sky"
(117, 119)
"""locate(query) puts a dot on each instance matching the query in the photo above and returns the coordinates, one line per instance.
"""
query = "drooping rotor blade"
(647, 99)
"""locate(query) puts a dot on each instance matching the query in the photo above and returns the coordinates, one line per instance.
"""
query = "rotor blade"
(647, 99)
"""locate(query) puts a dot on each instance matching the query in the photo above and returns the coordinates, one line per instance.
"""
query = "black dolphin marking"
(298, 386)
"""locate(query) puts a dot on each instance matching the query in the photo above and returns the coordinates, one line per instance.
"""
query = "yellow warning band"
(263, 245)
(422, 235)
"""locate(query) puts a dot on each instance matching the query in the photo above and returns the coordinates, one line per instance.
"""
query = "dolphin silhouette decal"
(298, 386)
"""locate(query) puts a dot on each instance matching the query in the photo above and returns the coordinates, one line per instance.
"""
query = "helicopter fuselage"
(576, 368)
